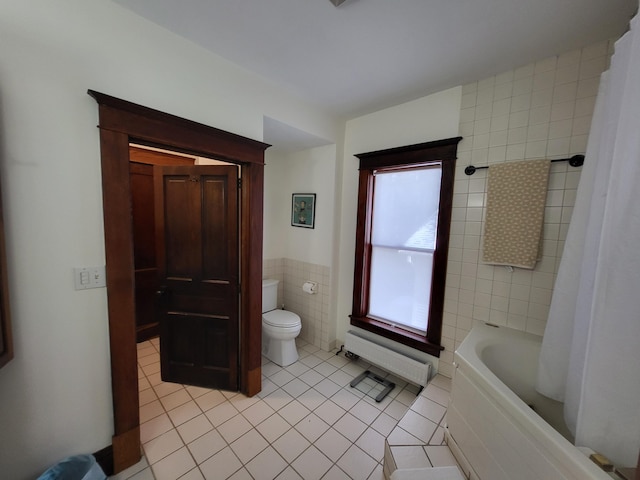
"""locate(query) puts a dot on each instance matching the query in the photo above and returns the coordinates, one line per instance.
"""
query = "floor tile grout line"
(361, 396)
(225, 440)
(175, 427)
(184, 444)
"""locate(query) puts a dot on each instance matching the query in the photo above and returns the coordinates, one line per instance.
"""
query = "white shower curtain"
(590, 356)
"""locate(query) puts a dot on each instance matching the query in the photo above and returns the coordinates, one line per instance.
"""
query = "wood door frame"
(121, 123)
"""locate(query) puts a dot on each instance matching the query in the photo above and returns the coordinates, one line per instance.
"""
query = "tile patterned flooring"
(306, 423)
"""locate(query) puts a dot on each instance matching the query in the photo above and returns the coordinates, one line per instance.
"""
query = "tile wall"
(313, 309)
(541, 110)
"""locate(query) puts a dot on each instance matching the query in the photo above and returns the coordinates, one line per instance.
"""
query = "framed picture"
(303, 210)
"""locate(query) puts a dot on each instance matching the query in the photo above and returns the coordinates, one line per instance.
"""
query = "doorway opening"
(142, 160)
(122, 123)
(187, 265)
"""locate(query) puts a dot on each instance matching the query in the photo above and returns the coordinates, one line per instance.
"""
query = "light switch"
(89, 277)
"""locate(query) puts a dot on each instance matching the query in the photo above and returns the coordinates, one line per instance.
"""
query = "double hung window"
(402, 238)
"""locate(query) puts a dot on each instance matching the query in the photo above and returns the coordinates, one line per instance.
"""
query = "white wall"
(434, 117)
(55, 396)
(305, 171)
(275, 205)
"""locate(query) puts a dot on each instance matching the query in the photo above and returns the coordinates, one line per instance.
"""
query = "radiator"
(411, 369)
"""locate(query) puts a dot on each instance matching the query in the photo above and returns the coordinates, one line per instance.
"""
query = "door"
(141, 162)
(196, 212)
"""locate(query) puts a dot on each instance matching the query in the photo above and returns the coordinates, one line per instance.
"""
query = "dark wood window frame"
(441, 152)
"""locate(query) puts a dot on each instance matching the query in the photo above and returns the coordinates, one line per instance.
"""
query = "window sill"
(397, 334)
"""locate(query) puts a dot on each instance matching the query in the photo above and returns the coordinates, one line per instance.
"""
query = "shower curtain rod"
(575, 161)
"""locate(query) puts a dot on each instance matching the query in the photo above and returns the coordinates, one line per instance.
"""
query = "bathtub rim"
(469, 357)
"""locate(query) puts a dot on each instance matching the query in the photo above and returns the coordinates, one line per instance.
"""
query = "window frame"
(443, 152)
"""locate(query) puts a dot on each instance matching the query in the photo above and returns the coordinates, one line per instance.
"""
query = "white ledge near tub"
(417, 441)
(494, 422)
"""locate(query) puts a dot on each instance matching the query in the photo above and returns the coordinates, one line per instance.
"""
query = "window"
(404, 226)
(402, 240)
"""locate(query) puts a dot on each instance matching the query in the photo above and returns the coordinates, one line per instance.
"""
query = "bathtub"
(498, 426)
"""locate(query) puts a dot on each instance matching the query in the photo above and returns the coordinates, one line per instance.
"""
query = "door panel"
(197, 224)
(215, 225)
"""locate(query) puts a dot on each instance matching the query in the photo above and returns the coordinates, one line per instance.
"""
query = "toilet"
(279, 327)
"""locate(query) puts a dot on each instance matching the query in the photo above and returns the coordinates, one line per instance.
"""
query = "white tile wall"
(313, 309)
(541, 110)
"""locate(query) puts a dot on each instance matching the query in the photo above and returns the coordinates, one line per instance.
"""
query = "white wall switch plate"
(89, 277)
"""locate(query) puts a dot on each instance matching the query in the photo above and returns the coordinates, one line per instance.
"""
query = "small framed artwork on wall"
(303, 210)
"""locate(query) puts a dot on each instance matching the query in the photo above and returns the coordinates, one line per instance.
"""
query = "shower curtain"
(590, 356)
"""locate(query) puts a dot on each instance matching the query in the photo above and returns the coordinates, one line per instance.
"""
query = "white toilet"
(279, 327)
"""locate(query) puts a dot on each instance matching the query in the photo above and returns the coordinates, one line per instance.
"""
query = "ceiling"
(366, 55)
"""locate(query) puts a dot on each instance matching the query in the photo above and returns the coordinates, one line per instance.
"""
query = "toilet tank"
(269, 294)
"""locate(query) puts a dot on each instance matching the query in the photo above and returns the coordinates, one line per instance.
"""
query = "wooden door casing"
(120, 124)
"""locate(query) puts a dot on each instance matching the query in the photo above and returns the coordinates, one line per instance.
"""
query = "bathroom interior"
(538, 110)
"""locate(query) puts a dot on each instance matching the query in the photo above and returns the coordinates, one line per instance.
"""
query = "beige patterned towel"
(516, 195)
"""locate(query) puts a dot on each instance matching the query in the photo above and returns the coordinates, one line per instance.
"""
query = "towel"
(516, 195)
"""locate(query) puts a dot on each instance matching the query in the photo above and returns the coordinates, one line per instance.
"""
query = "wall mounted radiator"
(411, 369)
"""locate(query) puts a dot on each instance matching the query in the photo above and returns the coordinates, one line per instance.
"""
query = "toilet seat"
(281, 318)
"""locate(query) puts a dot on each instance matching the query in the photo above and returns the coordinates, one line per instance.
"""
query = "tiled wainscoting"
(312, 309)
(540, 110)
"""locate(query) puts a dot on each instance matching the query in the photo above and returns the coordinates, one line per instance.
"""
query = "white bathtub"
(494, 421)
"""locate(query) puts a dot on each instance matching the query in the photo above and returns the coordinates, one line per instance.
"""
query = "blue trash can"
(77, 467)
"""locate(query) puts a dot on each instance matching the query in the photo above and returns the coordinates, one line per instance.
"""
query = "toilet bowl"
(279, 331)
(279, 327)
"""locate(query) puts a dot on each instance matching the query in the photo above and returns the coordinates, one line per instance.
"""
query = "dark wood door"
(196, 212)
(144, 234)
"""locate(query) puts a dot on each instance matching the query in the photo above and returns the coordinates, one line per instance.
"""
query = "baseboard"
(104, 458)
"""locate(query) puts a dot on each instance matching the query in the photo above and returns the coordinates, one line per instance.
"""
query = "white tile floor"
(306, 423)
